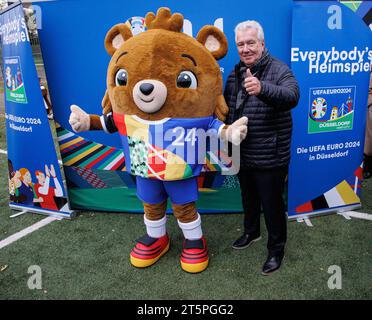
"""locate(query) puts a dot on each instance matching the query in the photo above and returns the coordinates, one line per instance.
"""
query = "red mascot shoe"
(148, 250)
(194, 257)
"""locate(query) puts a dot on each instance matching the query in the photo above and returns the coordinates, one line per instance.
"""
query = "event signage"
(94, 165)
(35, 181)
(330, 56)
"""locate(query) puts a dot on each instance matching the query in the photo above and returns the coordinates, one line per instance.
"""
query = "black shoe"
(245, 241)
(272, 264)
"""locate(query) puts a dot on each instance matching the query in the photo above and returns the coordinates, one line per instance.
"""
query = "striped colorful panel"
(90, 177)
(342, 194)
(79, 152)
(347, 193)
(306, 207)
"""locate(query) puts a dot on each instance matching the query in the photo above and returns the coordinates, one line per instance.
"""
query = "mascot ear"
(214, 40)
(117, 35)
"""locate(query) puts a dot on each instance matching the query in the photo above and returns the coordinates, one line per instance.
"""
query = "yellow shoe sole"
(144, 263)
(194, 267)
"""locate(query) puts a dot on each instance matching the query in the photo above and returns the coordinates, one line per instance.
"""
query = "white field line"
(25, 232)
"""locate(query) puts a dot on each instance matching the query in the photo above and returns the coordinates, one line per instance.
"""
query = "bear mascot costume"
(164, 89)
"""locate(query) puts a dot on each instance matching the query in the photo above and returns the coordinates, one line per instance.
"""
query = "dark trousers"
(264, 188)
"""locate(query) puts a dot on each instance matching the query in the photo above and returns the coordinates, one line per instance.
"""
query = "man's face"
(250, 48)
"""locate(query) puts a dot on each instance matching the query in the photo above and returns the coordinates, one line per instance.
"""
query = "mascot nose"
(146, 88)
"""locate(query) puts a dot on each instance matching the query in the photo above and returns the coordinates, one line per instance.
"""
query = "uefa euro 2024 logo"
(14, 86)
(331, 109)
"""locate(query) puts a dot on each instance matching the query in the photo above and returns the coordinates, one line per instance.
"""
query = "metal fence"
(34, 40)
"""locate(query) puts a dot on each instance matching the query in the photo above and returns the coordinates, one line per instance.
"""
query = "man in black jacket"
(265, 90)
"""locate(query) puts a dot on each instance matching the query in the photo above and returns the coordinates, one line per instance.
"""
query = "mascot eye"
(121, 77)
(186, 79)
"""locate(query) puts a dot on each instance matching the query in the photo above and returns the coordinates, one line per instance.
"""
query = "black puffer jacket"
(267, 144)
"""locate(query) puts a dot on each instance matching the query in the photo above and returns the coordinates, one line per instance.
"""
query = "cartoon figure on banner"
(27, 188)
(164, 97)
(14, 184)
(44, 191)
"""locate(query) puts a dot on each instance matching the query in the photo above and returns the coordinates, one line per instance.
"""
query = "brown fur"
(157, 54)
(106, 104)
(155, 211)
(95, 122)
(185, 213)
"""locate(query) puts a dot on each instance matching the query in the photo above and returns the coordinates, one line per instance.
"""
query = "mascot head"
(164, 73)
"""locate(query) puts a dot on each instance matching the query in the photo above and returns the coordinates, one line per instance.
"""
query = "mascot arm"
(81, 121)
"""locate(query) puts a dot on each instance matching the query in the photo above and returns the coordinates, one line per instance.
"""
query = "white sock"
(156, 228)
(192, 230)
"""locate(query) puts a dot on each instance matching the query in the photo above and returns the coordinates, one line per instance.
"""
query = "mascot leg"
(155, 243)
(194, 257)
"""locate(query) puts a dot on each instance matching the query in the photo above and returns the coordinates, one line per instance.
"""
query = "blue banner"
(331, 56)
(35, 181)
(72, 41)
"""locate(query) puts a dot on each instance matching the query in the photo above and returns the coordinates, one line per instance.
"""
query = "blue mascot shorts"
(155, 191)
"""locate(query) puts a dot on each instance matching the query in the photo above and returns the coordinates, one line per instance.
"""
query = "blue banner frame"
(35, 180)
(76, 60)
(331, 55)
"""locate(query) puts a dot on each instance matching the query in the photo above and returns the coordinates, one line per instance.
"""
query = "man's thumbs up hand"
(249, 73)
(251, 84)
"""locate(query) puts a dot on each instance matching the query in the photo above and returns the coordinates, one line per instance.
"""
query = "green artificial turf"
(88, 258)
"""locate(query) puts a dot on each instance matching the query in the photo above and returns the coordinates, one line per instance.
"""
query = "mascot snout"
(149, 95)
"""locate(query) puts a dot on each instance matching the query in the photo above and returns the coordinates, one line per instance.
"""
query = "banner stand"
(306, 220)
(18, 214)
(48, 213)
(347, 213)
(324, 212)
(353, 214)
(34, 175)
(326, 167)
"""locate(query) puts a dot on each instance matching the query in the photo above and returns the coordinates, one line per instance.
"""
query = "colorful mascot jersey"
(168, 149)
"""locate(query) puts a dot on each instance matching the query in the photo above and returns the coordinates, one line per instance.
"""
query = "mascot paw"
(237, 131)
(79, 119)
(194, 257)
(148, 250)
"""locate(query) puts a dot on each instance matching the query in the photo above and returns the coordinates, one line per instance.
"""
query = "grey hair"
(250, 24)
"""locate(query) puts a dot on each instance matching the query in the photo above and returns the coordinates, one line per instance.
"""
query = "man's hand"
(251, 84)
(79, 119)
(236, 132)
